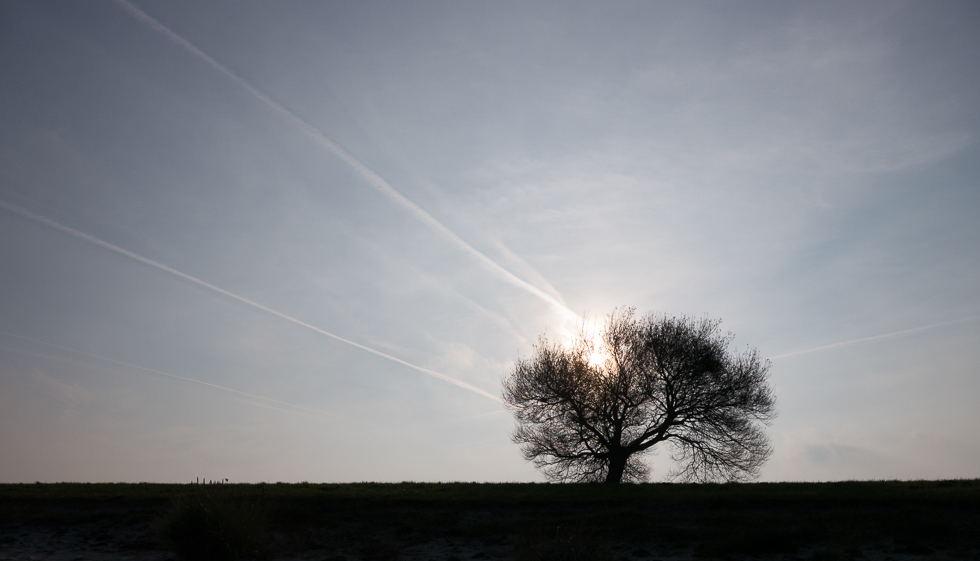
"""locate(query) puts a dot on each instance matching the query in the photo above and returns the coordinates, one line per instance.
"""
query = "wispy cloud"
(365, 172)
(71, 393)
(463, 419)
(76, 393)
(873, 338)
(116, 249)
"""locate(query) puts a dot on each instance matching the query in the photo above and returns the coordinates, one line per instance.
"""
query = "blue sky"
(305, 241)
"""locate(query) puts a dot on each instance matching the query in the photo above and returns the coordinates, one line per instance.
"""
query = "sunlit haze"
(598, 352)
(305, 241)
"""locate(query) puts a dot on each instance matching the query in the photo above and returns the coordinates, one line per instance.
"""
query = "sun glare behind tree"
(590, 411)
(597, 352)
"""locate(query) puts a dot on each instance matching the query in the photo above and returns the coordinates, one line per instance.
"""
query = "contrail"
(365, 172)
(94, 240)
(873, 338)
(186, 379)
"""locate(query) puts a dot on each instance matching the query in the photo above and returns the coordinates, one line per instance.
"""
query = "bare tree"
(589, 411)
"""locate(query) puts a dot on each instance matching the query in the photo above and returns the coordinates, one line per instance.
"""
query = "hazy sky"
(287, 241)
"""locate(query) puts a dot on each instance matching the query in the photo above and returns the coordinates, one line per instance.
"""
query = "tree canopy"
(590, 410)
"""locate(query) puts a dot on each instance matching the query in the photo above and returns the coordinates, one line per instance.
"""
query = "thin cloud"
(462, 419)
(116, 249)
(71, 393)
(266, 402)
(365, 172)
(874, 338)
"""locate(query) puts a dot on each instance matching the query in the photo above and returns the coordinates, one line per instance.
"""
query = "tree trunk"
(617, 465)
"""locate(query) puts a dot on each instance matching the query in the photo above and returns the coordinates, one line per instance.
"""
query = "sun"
(598, 353)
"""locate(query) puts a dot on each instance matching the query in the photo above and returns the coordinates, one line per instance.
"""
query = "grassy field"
(537, 522)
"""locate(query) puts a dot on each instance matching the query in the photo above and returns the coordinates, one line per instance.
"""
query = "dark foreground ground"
(886, 521)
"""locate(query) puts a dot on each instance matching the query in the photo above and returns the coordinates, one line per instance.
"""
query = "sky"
(306, 241)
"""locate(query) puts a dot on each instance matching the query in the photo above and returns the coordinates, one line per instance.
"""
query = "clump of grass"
(756, 536)
(565, 545)
(209, 527)
(824, 554)
(379, 550)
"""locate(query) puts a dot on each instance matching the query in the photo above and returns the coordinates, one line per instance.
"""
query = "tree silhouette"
(590, 410)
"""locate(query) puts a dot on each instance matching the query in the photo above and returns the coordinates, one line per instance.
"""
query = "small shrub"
(206, 527)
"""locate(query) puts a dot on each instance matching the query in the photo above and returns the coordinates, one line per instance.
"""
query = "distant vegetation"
(538, 522)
